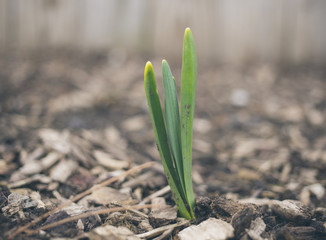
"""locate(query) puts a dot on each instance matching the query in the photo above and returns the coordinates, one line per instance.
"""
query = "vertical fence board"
(231, 31)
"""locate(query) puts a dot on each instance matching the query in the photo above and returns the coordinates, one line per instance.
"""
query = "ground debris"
(257, 228)
(63, 170)
(242, 220)
(17, 203)
(211, 229)
(164, 229)
(67, 229)
(292, 211)
(225, 208)
(111, 232)
(72, 120)
(107, 195)
(299, 233)
(106, 160)
(162, 214)
(128, 220)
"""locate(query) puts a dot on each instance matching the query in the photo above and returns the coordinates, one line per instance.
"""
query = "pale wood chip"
(211, 229)
(106, 160)
(111, 232)
(106, 195)
(63, 170)
(257, 227)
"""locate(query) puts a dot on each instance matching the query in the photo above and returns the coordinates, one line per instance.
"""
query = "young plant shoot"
(174, 132)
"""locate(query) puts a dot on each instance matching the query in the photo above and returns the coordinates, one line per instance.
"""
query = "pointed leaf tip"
(148, 66)
(148, 69)
(187, 31)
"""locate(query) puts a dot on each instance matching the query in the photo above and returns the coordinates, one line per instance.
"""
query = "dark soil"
(69, 121)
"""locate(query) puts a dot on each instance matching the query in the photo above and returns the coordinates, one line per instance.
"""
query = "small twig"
(139, 213)
(160, 230)
(164, 234)
(160, 192)
(84, 215)
(81, 195)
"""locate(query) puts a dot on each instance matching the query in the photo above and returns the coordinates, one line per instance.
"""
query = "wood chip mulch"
(78, 158)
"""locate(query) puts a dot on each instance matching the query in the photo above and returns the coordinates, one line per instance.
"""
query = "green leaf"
(188, 93)
(172, 120)
(156, 114)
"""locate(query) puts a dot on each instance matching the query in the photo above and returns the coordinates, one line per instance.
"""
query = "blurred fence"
(227, 31)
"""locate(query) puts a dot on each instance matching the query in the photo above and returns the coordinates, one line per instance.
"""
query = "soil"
(70, 121)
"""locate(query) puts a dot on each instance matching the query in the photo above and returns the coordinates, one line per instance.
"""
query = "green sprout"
(174, 135)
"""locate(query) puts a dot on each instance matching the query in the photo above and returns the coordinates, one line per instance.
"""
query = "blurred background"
(75, 68)
(227, 31)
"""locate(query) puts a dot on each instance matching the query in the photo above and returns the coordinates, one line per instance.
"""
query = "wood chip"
(158, 203)
(257, 227)
(316, 190)
(63, 170)
(50, 159)
(160, 192)
(248, 174)
(211, 229)
(292, 210)
(33, 155)
(134, 124)
(35, 178)
(106, 195)
(246, 147)
(113, 136)
(202, 125)
(297, 139)
(202, 146)
(292, 114)
(56, 140)
(241, 220)
(18, 202)
(225, 208)
(162, 214)
(106, 160)
(298, 233)
(111, 232)
(151, 179)
(6, 167)
(31, 167)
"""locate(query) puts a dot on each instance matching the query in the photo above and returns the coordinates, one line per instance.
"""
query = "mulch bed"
(77, 151)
